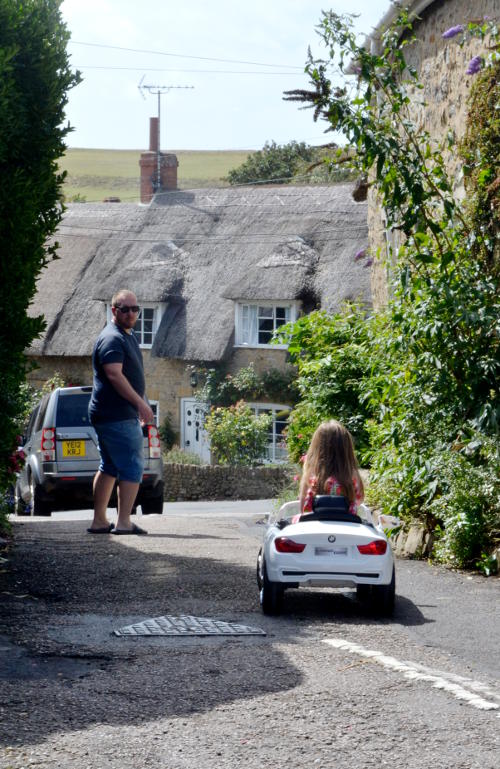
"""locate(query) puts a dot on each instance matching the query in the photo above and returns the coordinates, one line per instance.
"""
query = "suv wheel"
(152, 505)
(39, 506)
(20, 506)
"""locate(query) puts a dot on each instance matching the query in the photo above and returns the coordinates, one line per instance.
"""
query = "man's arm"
(123, 387)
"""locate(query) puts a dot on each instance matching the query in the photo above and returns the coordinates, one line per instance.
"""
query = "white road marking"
(462, 688)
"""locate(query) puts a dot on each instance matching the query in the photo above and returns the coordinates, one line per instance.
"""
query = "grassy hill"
(97, 174)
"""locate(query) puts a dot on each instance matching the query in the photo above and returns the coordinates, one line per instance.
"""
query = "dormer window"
(147, 323)
(256, 323)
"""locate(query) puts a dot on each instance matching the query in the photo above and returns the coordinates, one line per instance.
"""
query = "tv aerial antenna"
(159, 91)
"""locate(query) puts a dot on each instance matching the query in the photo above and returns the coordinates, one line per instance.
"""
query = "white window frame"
(155, 407)
(159, 309)
(275, 453)
(243, 336)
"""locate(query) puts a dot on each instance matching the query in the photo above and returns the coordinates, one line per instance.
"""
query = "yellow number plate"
(73, 448)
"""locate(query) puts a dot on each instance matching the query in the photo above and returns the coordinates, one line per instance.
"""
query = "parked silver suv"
(62, 458)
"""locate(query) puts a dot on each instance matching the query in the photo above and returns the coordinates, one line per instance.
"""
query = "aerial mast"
(158, 90)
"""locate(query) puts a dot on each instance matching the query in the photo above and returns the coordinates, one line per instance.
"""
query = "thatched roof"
(198, 252)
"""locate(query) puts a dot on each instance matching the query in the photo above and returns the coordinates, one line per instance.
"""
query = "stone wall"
(442, 104)
(198, 482)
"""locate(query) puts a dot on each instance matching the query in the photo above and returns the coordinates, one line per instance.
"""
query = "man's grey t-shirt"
(114, 345)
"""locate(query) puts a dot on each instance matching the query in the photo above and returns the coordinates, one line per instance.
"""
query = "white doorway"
(194, 437)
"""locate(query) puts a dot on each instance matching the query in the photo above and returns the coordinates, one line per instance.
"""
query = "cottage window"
(256, 323)
(276, 448)
(155, 408)
(147, 323)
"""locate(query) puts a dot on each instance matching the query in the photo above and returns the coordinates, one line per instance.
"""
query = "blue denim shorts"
(121, 448)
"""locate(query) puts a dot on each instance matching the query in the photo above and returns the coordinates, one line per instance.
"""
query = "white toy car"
(329, 547)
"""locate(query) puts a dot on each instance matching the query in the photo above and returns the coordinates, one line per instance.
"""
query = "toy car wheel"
(271, 593)
(363, 592)
(383, 597)
(259, 569)
(39, 506)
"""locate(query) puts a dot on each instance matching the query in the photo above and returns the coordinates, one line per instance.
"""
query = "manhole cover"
(186, 626)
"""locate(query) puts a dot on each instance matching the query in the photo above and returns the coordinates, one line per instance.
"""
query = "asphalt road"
(328, 685)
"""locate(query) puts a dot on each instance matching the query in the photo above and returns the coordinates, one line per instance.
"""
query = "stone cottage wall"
(441, 65)
(196, 482)
(167, 380)
(261, 358)
(74, 370)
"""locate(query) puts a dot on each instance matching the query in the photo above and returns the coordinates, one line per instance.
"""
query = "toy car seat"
(330, 508)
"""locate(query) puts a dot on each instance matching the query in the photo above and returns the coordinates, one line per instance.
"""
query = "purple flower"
(360, 254)
(475, 65)
(453, 31)
(368, 263)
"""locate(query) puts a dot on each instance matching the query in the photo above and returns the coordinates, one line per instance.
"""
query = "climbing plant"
(430, 394)
(221, 388)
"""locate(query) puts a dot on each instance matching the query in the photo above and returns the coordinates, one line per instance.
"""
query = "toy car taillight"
(377, 547)
(286, 545)
(154, 442)
(48, 444)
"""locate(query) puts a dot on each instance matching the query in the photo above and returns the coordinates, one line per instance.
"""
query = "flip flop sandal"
(134, 530)
(102, 530)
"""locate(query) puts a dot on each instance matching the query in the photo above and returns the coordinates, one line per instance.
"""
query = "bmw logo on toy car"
(331, 538)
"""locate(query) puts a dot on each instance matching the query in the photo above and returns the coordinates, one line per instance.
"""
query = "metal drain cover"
(186, 625)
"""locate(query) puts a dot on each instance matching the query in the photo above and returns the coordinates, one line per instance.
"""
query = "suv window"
(41, 413)
(72, 410)
(29, 427)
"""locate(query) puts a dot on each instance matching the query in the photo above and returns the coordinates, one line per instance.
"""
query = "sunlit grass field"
(97, 174)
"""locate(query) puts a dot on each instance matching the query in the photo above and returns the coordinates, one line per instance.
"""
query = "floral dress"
(333, 487)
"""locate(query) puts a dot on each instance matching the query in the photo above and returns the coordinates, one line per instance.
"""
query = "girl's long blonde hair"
(331, 453)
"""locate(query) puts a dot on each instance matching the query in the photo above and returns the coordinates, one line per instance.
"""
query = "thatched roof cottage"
(215, 271)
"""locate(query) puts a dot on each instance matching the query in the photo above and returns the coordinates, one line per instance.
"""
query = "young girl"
(331, 467)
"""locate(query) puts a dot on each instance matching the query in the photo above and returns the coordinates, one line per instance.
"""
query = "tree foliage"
(430, 396)
(282, 163)
(35, 77)
(332, 355)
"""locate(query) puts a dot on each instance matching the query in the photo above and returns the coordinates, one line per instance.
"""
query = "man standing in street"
(117, 411)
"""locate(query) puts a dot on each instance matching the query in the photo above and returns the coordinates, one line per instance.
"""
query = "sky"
(203, 44)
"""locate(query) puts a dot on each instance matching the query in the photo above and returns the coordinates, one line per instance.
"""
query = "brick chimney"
(149, 166)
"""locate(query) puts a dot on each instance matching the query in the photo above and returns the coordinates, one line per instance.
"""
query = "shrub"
(237, 436)
(333, 357)
(168, 435)
(178, 456)
(468, 506)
